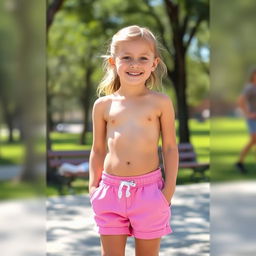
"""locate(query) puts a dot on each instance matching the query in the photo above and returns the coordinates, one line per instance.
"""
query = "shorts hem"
(152, 235)
(113, 231)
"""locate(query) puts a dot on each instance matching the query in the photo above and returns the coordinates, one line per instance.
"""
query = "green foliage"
(233, 46)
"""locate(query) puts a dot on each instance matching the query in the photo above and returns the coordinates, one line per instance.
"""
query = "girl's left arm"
(169, 147)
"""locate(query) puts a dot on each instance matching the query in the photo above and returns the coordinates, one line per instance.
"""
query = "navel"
(128, 163)
(149, 119)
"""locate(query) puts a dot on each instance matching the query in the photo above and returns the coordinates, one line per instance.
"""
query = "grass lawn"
(228, 137)
(18, 190)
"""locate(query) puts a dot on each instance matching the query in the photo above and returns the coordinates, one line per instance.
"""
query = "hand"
(167, 195)
(92, 189)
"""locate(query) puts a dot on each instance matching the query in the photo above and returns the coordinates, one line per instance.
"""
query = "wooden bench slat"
(193, 165)
(187, 155)
(52, 154)
(59, 162)
(185, 147)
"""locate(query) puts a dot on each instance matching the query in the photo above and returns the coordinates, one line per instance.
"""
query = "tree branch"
(160, 26)
(172, 8)
(52, 10)
(185, 24)
(193, 31)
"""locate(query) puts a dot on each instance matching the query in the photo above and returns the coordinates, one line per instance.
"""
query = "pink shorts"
(132, 205)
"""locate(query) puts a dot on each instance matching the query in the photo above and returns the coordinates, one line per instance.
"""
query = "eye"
(143, 58)
(126, 58)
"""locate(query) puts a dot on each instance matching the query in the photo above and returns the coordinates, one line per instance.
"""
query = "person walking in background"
(247, 103)
(128, 194)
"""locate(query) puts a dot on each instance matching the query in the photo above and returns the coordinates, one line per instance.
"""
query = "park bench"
(188, 160)
(56, 158)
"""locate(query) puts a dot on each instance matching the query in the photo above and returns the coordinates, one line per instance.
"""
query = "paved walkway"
(233, 221)
(8, 172)
(70, 225)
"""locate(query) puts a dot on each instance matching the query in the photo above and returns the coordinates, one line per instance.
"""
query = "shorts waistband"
(140, 180)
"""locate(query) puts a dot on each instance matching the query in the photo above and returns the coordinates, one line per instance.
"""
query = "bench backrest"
(56, 158)
(186, 153)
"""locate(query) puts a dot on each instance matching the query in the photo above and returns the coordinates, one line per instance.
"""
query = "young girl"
(128, 194)
(247, 103)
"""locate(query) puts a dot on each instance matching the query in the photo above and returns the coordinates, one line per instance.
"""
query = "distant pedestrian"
(247, 103)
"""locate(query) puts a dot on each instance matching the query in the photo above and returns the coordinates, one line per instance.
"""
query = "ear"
(155, 63)
(111, 61)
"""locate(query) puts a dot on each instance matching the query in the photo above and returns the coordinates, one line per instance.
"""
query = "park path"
(70, 225)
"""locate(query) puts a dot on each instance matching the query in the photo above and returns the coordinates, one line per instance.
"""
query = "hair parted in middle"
(110, 81)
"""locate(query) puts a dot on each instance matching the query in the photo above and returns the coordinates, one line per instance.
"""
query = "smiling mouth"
(134, 73)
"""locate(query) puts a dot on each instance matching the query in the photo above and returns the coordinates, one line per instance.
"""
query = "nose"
(134, 63)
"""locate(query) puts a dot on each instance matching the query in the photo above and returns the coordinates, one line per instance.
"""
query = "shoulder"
(161, 98)
(102, 101)
(101, 104)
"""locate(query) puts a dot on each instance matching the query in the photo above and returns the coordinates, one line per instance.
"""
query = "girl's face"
(134, 61)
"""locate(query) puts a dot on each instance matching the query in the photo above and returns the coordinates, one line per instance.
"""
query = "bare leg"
(113, 245)
(147, 247)
(248, 146)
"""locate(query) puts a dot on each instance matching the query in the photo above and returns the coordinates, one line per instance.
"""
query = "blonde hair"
(110, 81)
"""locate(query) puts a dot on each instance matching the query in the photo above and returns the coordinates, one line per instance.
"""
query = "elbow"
(170, 149)
(98, 150)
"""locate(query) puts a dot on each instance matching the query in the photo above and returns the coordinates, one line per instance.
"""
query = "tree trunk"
(8, 118)
(86, 103)
(10, 129)
(27, 87)
(180, 86)
(178, 76)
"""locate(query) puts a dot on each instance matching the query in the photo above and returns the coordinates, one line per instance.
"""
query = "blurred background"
(233, 55)
(22, 99)
(22, 127)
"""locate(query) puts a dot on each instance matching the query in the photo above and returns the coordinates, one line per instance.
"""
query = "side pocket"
(163, 198)
(93, 193)
(160, 186)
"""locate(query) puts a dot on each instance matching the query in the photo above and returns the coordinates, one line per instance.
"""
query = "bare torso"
(132, 134)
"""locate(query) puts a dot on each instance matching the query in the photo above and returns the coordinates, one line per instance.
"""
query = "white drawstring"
(128, 184)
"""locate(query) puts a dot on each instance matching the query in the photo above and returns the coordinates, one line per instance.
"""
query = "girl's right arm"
(98, 150)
